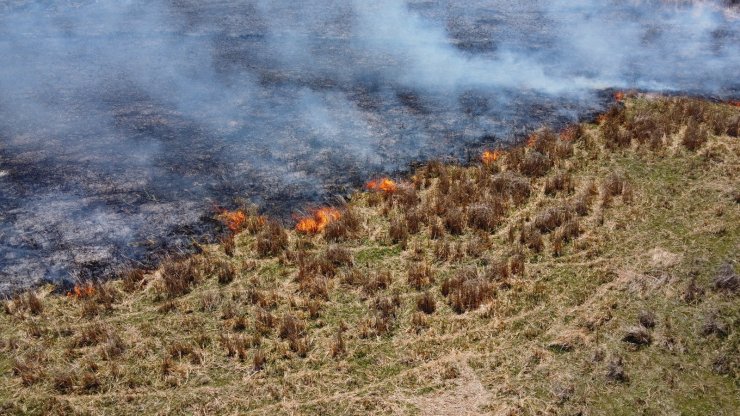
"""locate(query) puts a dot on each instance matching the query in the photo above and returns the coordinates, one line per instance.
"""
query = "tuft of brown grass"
(615, 370)
(426, 303)
(693, 293)
(225, 272)
(272, 240)
(436, 230)
(647, 319)
(398, 231)
(454, 221)
(516, 264)
(29, 372)
(259, 359)
(133, 280)
(377, 281)
(531, 237)
(726, 280)
(343, 228)
(91, 335)
(694, 136)
(535, 164)
(338, 347)
(638, 335)
(338, 256)
(114, 347)
(291, 327)
(179, 276)
(420, 275)
(552, 217)
(33, 303)
(64, 381)
(560, 182)
(466, 290)
(486, 216)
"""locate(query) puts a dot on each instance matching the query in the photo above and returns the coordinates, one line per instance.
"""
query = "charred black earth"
(123, 124)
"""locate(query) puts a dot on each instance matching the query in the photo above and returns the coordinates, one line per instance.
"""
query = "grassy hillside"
(592, 271)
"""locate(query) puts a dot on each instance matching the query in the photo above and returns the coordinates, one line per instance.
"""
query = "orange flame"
(234, 220)
(316, 223)
(81, 292)
(601, 119)
(490, 156)
(532, 141)
(619, 96)
(734, 103)
(385, 185)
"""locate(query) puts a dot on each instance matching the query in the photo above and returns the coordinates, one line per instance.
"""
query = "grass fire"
(384, 185)
(556, 246)
(318, 220)
(397, 207)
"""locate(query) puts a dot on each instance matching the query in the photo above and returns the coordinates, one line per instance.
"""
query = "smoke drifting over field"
(122, 121)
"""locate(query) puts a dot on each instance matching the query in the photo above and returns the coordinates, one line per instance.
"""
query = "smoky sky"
(123, 123)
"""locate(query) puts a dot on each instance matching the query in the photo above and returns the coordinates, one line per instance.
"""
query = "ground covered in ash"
(123, 124)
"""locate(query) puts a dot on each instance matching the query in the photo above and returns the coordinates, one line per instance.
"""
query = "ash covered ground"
(123, 123)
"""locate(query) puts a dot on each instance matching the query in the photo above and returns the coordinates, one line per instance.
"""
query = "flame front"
(619, 96)
(81, 292)
(234, 220)
(316, 223)
(490, 156)
(385, 185)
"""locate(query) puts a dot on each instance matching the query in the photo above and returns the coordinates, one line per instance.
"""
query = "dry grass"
(591, 271)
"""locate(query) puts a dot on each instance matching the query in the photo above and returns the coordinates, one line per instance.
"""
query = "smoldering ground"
(123, 122)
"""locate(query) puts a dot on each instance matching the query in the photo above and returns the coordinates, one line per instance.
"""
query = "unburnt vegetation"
(592, 270)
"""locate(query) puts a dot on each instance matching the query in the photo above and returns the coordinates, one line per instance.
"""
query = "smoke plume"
(122, 123)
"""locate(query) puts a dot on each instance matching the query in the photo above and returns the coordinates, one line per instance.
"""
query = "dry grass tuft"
(272, 240)
(29, 372)
(486, 216)
(420, 275)
(291, 327)
(133, 280)
(553, 217)
(560, 182)
(466, 290)
(179, 276)
(426, 303)
(694, 136)
(535, 164)
(638, 335)
(616, 372)
(726, 279)
(343, 228)
(398, 231)
(693, 293)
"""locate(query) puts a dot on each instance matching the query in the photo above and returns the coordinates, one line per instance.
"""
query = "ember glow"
(318, 221)
(384, 185)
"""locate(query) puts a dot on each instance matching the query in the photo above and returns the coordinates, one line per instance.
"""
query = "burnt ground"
(121, 131)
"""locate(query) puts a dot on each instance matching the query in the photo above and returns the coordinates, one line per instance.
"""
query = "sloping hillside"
(592, 271)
